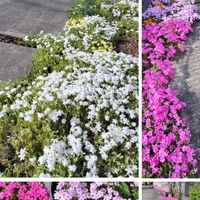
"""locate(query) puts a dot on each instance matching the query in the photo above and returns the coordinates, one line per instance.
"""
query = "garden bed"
(68, 190)
(166, 138)
(76, 113)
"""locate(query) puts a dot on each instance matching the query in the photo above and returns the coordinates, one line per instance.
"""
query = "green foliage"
(128, 29)
(83, 8)
(194, 192)
(111, 10)
(127, 190)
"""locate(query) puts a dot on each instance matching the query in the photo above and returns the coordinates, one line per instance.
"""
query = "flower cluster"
(123, 12)
(68, 191)
(179, 9)
(185, 10)
(91, 33)
(87, 92)
(157, 11)
(162, 188)
(161, 41)
(77, 113)
(166, 150)
(21, 191)
(122, 9)
(96, 191)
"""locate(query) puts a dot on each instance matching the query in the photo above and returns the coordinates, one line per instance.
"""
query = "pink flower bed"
(166, 137)
(96, 191)
(23, 191)
(69, 191)
(160, 190)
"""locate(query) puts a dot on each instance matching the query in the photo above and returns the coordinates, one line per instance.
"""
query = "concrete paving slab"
(186, 81)
(14, 60)
(150, 194)
(48, 186)
(21, 17)
(145, 4)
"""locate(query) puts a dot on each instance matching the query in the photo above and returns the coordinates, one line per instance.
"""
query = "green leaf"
(125, 189)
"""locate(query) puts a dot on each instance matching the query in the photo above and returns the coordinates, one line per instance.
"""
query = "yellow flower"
(110, 50)
(82, 22)
(70, 23)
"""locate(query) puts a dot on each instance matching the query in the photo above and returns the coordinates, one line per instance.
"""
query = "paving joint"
(4, 38)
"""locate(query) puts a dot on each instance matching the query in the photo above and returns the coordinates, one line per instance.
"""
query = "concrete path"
(20, 17)
(48, 186)
(145, 4)
(14, 60)
(150, 194)
(187, 82)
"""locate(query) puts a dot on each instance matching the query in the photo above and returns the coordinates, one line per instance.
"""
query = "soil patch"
(129, 46)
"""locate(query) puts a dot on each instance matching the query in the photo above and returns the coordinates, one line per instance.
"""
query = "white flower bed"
(81, 119)
(106, 89)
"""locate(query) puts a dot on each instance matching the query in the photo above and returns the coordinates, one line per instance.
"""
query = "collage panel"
(68, 190)
(76, 77)
(170, 41)
(171, 191)
(74, 113)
